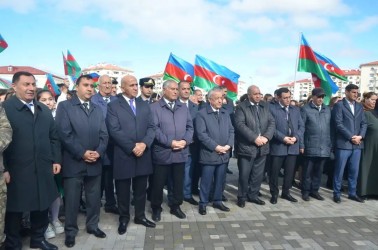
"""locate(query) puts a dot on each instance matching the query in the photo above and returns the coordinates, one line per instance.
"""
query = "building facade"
(7, 73)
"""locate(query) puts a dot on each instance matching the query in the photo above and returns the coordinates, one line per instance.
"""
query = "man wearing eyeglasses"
(317, 143)
(147, 85)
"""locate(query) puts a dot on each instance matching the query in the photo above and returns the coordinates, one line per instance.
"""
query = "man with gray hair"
(216, 135)
(254, 128)
(174, 132)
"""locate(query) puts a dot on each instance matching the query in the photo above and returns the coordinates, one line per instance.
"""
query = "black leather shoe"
(257, 201)
(288, 197)
(69, 241)
(44, 245)
(156, 215)
(356, 198)
(202, 210)
(97, 233)
(305, 197)
(221, 207)
(122, 228)
(336, 199)
(317, 196)
(241, 203)
(224, 198)
(191, 201)
(143, 221)
(273, 200)
(112, 210)
(228, 171)
(178, 213)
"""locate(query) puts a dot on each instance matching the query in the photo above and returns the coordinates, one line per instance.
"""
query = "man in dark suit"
(101, 99)
(216, 135)
(174, 132)
(285, 145)
(191, 163)
(350, 129)
(254, 127)
(30, 162)
(147, 85)
(131, 127)
(84, 137)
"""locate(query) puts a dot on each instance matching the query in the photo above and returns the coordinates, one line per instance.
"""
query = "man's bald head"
(254, 94)
(129, 86)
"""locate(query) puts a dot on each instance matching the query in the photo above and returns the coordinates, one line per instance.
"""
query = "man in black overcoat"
(30, 162)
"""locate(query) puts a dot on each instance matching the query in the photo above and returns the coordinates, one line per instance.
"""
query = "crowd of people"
(67, 151)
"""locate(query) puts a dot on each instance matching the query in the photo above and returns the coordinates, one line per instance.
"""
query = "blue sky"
(257, 39)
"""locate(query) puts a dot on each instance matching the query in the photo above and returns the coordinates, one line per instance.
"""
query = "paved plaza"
(302, 225)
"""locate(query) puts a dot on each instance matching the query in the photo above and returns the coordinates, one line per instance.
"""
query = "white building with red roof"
(7, 73)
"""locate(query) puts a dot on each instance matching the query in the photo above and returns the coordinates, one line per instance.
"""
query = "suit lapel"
(347, 106)
(126, 106)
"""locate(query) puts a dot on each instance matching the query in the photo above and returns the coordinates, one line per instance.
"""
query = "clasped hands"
(290, 140)
(178, 145)
(261, 140)
(222, 149)
(139, 149)
(91, 156)
(356, 139)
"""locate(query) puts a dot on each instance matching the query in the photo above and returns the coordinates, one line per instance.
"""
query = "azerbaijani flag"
(208, 74)
(51, 85)
(5, 84)
(73, 67)
(330, 66)
(65, 64)
(3, 44)
(178, 69)
(308, 62)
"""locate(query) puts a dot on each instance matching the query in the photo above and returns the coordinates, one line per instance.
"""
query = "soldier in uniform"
(5, 139)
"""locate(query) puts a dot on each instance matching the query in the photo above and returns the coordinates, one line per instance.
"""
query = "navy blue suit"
(347, 124)
(283, 155)
(80, 131)
(211, 132)
(127, 129)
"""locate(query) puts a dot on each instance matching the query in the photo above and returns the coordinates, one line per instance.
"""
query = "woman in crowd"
(368, 175)
(55, 227)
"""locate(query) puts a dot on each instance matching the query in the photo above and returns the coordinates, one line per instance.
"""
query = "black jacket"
(29, 157)
(248, 127)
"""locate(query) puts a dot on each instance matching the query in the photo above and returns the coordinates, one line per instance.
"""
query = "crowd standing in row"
(101, 142)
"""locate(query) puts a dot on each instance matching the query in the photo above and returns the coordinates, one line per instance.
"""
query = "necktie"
(132, 106)
(107, 100)
(256, 108)
(216, 114)
(289, 124)
(170, 105)
(31, 107)
(86, 108)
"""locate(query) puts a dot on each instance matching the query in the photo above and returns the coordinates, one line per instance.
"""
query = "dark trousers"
(107, 185)
(139, 185)
(210, 173)
(312, 174)
(251, 175)
(39, 221)
(277, 162)
(161, 173)
(197, 170)
(72, 187)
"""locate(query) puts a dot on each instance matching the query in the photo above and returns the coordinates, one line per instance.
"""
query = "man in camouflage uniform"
(5, 139)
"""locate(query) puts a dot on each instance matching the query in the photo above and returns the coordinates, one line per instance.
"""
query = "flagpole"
(296, 62)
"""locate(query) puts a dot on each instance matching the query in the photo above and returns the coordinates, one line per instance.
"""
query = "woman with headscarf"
(367, 180)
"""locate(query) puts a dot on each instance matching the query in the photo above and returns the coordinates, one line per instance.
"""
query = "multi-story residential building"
(7, 73)
(113, 71)
(369, 75)
(299, 89)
